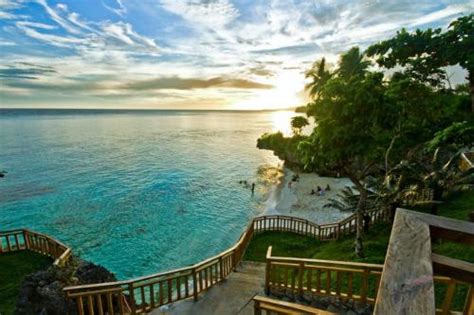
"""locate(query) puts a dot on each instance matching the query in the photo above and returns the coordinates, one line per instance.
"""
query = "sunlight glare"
(281, 122)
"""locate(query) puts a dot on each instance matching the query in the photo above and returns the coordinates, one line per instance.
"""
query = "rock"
(333, 309)
(42, 292)
(88, 273)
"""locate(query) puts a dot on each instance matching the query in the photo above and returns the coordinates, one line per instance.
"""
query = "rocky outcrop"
(42, 291)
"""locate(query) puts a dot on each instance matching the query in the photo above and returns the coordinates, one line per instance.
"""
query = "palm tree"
(319, 76)
(441, 174)
(346, 200)
(352, 64)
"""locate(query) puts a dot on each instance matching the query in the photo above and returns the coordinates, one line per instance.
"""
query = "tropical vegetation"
(391, 134)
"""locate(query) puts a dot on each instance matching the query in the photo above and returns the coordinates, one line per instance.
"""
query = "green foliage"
(346, 200)
(366, 123)
(301, 109)
(458, 135)
(286, 148)
(298, 123)
(14, 267)
(424, 54)
(319, 75)
(352, 65)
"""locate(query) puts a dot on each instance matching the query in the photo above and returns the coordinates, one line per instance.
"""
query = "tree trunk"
(358, 246)
(471, 89)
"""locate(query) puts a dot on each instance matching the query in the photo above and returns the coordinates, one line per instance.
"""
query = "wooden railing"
(343, 280)
(141, 295)
(322, 232)
(23, 239)
(422, 196)
(271, 306)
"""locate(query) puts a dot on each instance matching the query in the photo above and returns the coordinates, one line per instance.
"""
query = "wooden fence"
(271, 306)
(342, 280)
(141, 295)
(23, 239)
(423, 196)
(322, 232)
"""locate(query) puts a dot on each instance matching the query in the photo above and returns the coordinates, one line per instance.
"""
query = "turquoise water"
(135, 191)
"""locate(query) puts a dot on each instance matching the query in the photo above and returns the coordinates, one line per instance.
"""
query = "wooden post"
(364, 289)
(131, 294)
(256, 308)
(268, 270)
(26, 238)
(300, 278)
(221, 271)
(469, 306)
(195, 285)
(234, 260)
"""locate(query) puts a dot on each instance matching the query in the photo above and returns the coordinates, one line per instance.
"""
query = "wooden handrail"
(262, 303)
(142, 294)
(296, 276)
(23, 239)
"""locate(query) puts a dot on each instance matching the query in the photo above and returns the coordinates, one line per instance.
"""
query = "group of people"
(247, 185)
(320, 191)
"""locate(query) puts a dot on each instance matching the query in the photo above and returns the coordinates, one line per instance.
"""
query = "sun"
(285, 93)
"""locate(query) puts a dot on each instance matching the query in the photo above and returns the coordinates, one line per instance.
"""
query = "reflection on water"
(123, 187)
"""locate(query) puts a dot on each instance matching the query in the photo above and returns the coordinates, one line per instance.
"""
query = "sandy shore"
(297, 200)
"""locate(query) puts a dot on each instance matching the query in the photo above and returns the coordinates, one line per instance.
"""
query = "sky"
(189, 54)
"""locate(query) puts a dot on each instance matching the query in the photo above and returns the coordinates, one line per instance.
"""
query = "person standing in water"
(253, 188)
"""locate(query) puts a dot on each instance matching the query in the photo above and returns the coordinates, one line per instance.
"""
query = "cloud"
(57, 18)
(6, 16)
(124, 32)
(209, 13)
(191, 51)
(120, 10)
(177, 83)
(25, 71)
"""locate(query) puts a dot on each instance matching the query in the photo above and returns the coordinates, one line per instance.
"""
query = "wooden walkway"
(232, 296)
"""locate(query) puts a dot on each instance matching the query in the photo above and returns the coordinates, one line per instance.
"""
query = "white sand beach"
(296, 199)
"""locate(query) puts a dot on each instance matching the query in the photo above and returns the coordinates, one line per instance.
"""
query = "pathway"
(233, 296)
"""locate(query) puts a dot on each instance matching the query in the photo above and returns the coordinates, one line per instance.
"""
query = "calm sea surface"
(135, 191)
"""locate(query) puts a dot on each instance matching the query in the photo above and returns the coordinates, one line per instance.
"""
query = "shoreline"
(297, 200)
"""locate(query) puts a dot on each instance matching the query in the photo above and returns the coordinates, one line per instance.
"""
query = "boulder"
(42, 292)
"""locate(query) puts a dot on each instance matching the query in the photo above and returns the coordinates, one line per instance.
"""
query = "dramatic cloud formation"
(191, 53)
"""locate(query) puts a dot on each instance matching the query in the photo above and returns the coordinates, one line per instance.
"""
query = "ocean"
(138, 192)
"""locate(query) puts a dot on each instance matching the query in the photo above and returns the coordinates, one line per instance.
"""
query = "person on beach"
(289, 184)
(313, 192)
(319, 190)
(253, 188)
(328, 188)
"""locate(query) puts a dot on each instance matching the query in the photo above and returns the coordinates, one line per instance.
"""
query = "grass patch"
(284, 244)
(14, 267)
